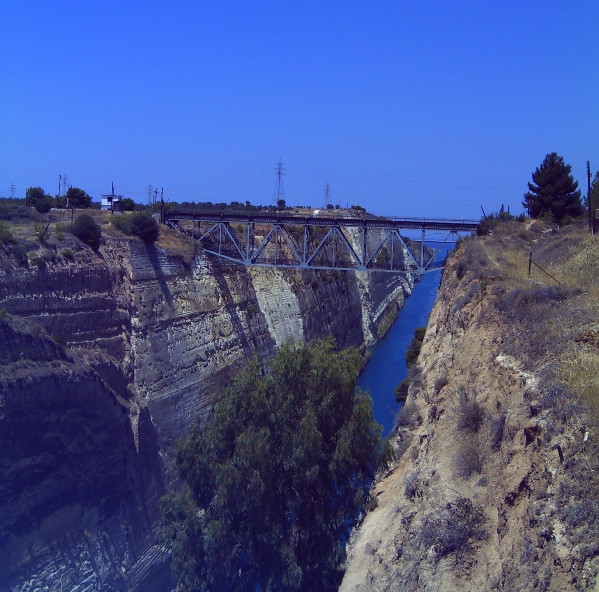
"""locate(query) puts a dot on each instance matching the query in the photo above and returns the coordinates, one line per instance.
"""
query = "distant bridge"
(320, 241)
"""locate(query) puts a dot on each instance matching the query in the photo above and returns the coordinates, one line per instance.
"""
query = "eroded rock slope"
(496, 485)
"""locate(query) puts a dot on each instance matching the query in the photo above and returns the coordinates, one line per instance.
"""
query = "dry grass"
(579, 369)
(543, 319)
(177, 243)
(579, 363)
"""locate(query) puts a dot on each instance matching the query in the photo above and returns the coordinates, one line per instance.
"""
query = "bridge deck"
(449, 225)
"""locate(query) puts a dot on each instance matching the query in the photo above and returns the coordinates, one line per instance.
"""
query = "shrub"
(127, 204)
(489, 223)
(519, 298)
(44, 205)
(440, 382)
(465, 299)
(401, 390)
(452, 529)
(39, 261)
(122, 223)
(59, 230)
(5, 234)
(252, 309)
(142, 225)
(470, 414)
(68, 254)
(86, 229)
(486, 225)
(9, 210)
(415, 346)
(468, 459)
(496, 429)
(145, 227)
(412, 485)
(407, 416)
(39, 229)
(20, 255)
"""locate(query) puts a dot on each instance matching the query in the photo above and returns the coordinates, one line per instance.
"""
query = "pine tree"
(554, 192)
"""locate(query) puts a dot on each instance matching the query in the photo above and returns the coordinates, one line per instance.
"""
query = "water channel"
(387, 365)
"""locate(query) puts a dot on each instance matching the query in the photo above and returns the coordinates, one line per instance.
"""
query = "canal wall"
(108, 358)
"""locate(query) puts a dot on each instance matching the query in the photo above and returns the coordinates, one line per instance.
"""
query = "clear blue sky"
(423, 108)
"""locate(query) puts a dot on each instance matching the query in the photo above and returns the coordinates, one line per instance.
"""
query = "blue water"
(387, 365)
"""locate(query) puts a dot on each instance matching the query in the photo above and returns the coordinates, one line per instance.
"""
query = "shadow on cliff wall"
(155, 262)
(230, 307)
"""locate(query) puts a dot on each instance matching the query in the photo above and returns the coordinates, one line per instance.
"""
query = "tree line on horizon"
(552, 195)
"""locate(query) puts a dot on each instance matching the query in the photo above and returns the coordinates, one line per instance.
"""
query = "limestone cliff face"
(106, 360)
(78, 501)
(495, 487)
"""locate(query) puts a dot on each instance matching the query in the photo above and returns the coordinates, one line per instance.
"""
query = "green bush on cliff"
(142, 225)
(274, 481)
(415, 345)
(86, 229)
(145, 227)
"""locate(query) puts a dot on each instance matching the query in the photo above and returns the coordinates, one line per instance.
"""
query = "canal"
(387, 365)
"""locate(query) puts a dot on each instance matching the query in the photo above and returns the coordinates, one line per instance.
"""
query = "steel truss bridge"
(321, 241)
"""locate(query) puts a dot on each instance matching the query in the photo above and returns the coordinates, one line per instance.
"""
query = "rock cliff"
(106, 359)
(496, 483)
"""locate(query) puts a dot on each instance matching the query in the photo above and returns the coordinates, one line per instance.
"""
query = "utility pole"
(12, 190)
(64, 184)
(327, 195)
(150, 195)
(279, 191)
(590, 206)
